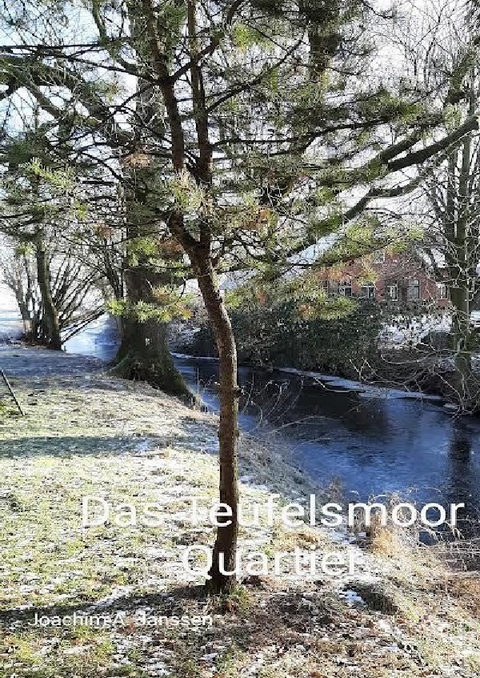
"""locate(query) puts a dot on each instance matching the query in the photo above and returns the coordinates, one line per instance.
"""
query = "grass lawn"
(403, 614)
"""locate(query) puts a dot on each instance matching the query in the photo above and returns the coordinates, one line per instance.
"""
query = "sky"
(7, 300)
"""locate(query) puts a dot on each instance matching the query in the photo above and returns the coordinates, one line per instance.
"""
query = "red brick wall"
(396, 268)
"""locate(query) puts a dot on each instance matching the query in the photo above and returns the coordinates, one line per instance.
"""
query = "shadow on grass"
(73, 446)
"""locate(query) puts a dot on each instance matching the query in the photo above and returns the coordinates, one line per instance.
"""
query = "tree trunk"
(222, 572)
(462, 339)
(24, 314)
(462, 272)
(50, 326)
(144, 354)
(225, 548)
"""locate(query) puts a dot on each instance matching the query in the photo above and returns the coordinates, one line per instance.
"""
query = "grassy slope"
(92, 434)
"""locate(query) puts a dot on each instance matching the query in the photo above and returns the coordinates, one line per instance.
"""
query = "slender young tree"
(454, 195)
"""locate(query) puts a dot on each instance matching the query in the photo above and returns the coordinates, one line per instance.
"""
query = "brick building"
(397, 278)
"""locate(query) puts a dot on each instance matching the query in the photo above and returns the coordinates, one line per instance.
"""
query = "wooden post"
(7, 383)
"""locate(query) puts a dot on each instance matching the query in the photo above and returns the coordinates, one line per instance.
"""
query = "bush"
(274, 333)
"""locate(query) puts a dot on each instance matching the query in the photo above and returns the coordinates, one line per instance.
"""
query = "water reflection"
(99, 339)
(462, 480)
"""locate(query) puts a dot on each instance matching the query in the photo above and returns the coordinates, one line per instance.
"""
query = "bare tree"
(442, 46)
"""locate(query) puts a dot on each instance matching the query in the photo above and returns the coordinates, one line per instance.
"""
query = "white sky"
(7, 300)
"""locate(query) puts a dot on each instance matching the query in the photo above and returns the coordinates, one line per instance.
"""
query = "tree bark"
(50, 325)
(225, 547)
(461, 268)
(144, 354)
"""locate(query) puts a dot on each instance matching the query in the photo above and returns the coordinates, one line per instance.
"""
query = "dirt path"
(19, 361)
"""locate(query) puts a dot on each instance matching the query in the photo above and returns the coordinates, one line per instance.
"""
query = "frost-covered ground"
(401, 614)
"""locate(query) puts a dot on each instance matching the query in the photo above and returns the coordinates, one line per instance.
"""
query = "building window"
(368, 291)
(345, 288)
(324, 287)
(413, 290)
(442, 291)
(378, 257)
(332, 288)
(392, 291)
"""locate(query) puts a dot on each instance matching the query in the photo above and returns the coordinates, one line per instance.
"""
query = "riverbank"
(412, 369)
(401, 613)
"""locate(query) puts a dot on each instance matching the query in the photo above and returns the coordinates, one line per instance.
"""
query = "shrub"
(274, 332)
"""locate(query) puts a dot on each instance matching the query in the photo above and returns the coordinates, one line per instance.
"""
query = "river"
(369, 441)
